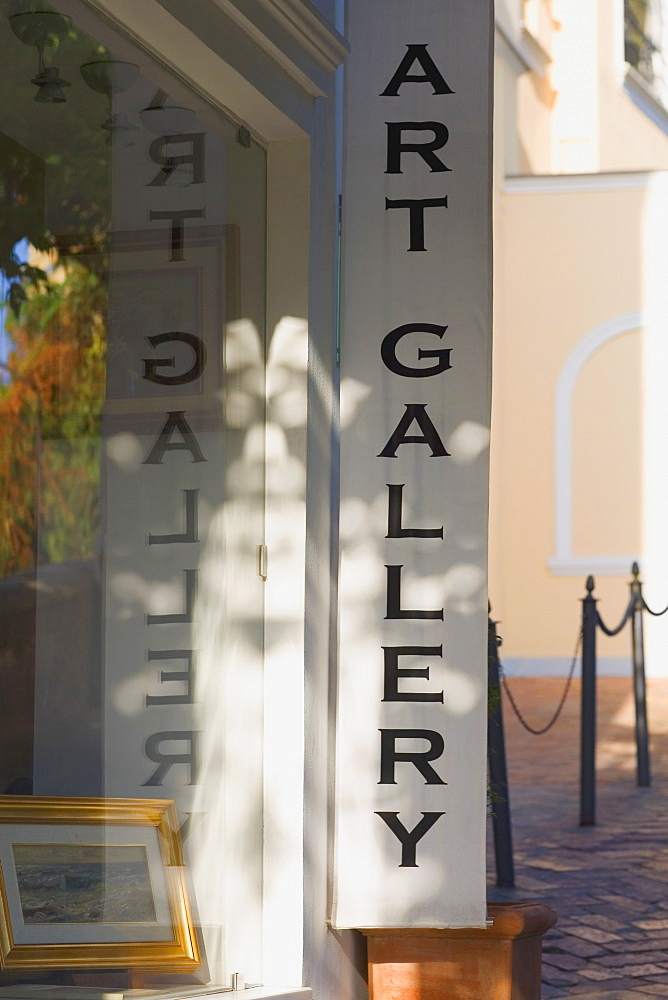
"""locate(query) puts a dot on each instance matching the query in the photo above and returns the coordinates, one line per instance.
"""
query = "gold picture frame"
(66, 865)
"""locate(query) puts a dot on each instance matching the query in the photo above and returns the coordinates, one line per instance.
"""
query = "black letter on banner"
(409, 839)
(173, 675)
(195, 370)
(416, 207)
(420, 759)
(394, 529)
(165, 761)
(395, 147)
(169, 162)
(414, 412)
(190, 534)
(175, 421)
(432, 74)
(176, 229)
(393, 672)
(185, 617)
(394, 609)
(389, 347)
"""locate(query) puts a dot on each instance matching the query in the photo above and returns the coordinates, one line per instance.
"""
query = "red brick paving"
(608, 883)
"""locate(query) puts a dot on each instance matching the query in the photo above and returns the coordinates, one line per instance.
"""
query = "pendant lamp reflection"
(43, 28)
(119, 129)
(112, 76)
(109, 76)
(50, 85)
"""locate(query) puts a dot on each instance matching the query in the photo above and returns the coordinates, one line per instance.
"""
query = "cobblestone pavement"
(608, 883)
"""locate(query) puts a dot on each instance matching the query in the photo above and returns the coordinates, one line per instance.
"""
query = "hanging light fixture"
(109, 76)
(112, 76)
(43, 28)
(119, 129)
(50, 85)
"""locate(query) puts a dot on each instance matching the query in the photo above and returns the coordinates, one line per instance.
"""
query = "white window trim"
(254, 993)
(564, 563)
(628, 180)
(645, 97)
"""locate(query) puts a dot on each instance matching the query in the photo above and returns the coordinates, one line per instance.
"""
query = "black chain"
(529, 728)
(627, 614)
(657, 614)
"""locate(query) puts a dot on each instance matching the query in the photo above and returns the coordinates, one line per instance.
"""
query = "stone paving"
(608, 883)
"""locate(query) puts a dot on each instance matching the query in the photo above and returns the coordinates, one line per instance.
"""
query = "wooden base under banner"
(500, 962)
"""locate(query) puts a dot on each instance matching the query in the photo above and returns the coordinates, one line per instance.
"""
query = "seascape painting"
(84, 883)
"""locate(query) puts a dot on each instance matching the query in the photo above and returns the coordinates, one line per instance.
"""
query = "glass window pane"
(132, 264)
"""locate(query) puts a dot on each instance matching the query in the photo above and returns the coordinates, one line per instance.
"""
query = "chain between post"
(657, 614)
(562, 701)
(627, 614)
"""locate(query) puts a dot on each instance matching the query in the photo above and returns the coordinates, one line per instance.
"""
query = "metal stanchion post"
(639, 689)
(498, 775)
(588, 709)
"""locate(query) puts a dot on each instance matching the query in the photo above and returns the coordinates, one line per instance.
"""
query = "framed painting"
(93, 883)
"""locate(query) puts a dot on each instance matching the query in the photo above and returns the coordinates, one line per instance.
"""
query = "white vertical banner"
(415, 370)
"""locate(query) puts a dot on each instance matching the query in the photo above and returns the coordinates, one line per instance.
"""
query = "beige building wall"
(550, 294)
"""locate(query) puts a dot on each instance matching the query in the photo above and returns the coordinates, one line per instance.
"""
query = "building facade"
(578, 481)
(170, 185)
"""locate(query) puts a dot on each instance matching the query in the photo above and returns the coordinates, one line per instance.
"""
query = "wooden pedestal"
(501, 962)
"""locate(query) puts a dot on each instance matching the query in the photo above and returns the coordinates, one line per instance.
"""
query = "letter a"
(176, 421)
(414, 412)
(432, 74)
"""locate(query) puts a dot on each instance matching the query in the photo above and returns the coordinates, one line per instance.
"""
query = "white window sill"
(271, 993)
(645, 97)
(249, 993)
(535, 54)
(26, 992)
(594, 565)
(523, 50)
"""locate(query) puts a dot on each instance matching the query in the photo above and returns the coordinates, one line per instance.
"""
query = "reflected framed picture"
(93, 883)
(146, 296)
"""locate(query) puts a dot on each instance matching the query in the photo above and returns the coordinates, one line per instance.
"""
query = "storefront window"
(132, 266)
(644, 41)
